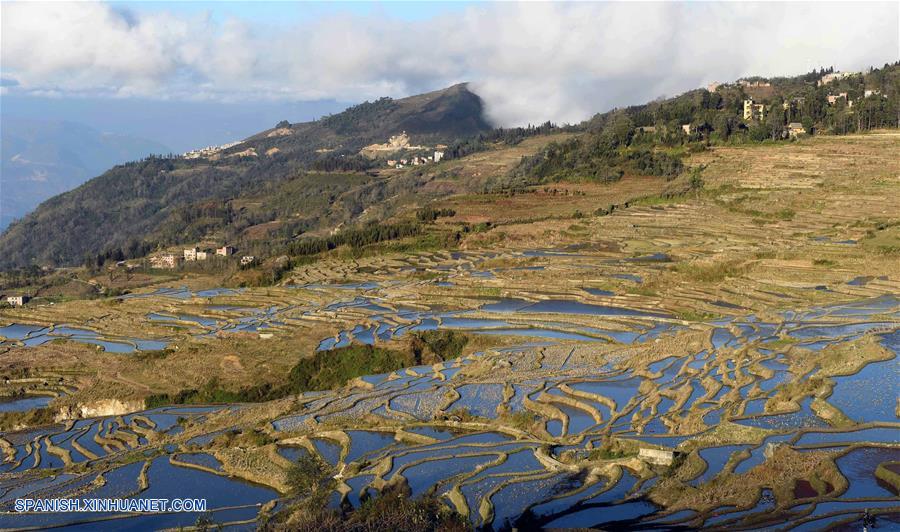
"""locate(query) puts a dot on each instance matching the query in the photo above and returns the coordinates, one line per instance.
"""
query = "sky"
(530, 62)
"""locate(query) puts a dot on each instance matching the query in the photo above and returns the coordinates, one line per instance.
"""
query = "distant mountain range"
(300, 172)
(41, 159)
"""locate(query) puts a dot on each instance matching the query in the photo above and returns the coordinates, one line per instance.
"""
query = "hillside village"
(168, 260)
(761, 98)
(209, 151)
(401, 143)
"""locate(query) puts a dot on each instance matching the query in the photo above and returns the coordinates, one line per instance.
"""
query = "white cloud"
(530, 62)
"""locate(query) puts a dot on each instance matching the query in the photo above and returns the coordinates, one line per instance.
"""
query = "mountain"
(300, 171)
(439, 116)
(41, 159)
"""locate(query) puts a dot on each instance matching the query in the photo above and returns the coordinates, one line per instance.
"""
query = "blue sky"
(288, 13)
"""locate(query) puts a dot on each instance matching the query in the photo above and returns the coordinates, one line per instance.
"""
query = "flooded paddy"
(545, 433)
(27, 335)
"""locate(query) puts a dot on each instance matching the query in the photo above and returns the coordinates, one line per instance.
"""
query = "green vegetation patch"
(444, 344)
(28, 418)
(330, 369)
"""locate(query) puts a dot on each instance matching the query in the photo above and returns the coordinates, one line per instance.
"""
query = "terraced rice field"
(669, 366)
(549, 432)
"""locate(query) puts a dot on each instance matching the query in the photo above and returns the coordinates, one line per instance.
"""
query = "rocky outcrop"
(105, 407)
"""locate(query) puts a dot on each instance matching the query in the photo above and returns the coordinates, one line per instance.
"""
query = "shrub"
(310, 476)
(430, 214)
(329, 369)
(444, 344)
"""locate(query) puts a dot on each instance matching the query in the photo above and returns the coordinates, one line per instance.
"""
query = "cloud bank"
(530, 62)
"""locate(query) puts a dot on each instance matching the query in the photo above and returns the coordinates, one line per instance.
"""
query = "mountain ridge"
(155, 199)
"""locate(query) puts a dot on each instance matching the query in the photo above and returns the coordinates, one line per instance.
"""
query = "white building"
(247, 259)
(225, 251)
(18, 301)
(438, 155)
(165, 261)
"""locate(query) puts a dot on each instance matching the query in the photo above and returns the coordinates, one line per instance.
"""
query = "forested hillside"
(293, 169)
(648, 139)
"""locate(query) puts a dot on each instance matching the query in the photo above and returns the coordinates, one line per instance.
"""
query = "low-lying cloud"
(530, 62)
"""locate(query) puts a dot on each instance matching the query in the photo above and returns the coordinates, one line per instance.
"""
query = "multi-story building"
(754, 111)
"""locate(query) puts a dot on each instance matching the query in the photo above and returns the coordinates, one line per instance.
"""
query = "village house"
(753, 110)
(687, 129)
(795, 128)
(247, 259)
(391, 162)
(190, 254)
(745, 83)
(828, 78)
(18, 301)
(713, 87)
(225, 251)
(871, 92)
(438, 155)
(165, 261)
(833, 98)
